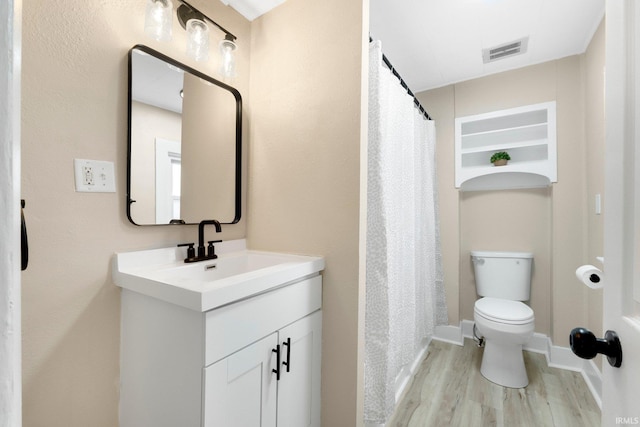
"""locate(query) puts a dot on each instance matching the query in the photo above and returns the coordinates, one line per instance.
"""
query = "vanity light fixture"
(197, 39)
(157, 20)
(195, 23)
(227, 50)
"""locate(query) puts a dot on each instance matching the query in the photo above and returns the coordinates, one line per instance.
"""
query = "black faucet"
(211, 250)
(216, 224)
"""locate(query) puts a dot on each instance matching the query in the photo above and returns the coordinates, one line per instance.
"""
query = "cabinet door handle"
(24, 241)
(277, 370)
(288, 362)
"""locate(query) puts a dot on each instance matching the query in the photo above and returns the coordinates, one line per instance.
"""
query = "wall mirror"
(184, 159)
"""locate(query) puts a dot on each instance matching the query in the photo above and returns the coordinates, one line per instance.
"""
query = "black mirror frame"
(238, 97)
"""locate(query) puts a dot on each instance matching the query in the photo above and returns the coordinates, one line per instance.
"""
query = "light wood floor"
(448, 390)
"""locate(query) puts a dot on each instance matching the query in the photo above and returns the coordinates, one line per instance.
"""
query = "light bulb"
(157, 22)
(197, 39)
(228, 65)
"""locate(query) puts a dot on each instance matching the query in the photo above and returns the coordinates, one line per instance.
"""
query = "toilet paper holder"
(591, 276)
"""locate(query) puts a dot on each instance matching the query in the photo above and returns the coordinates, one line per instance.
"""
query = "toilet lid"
(504, 311)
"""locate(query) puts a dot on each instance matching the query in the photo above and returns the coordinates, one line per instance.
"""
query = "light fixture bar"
(197, 14)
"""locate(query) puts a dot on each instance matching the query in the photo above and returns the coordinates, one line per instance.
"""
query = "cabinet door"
(299, 388)
(240, 390)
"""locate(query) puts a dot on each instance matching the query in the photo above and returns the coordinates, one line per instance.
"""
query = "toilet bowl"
(505, 326)
(503, 281)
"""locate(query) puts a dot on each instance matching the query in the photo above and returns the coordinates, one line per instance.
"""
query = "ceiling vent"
(504, 51)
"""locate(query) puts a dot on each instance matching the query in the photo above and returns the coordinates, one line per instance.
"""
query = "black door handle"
(585, 345)
(277, 370)
(24, 246)
(288, 362)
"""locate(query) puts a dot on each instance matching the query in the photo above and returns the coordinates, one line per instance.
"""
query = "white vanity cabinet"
(219, 368)
(243, 390)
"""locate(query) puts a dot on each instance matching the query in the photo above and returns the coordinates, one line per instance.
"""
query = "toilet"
(503, 281)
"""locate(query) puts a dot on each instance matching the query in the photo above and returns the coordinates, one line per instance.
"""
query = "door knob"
(585, 345)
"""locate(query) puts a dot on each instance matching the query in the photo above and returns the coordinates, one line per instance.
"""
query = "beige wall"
(569, 231)
(304, 162)
(147, 123)
(304, 110)
(594, 61)
(512, 220)
(208, 159)
(556, 224)
(74, 105)
(440, 104)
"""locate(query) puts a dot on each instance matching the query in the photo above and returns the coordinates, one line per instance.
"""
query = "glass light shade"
(197, 39)
(157, 20)
(228, 65)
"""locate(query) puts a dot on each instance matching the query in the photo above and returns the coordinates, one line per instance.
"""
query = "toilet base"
(503, 364)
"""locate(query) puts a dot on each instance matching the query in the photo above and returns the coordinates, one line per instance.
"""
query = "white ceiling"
(251, 9)
(156, 82)
(433, 43)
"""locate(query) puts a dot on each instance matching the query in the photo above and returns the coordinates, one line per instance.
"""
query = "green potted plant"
(500, 158)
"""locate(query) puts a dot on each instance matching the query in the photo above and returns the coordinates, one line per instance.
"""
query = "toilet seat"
(504, 311)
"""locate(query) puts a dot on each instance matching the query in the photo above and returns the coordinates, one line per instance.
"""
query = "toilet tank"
(505, 275)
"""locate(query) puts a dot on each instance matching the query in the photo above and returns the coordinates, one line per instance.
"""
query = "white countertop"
(236, 274)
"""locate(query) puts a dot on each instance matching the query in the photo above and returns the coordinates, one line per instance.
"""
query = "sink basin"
(205, 272)
(236, 274)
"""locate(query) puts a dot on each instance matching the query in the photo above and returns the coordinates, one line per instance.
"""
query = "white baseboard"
(449, 333)
(557, 357)
(407, 374)
(593, 377)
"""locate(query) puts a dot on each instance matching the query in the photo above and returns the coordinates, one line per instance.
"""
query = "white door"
(168, 182)
(241, 390)
(299, 386)
(621, 386)
(10, 306)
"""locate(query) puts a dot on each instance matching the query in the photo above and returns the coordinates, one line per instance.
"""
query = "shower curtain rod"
(404, 85)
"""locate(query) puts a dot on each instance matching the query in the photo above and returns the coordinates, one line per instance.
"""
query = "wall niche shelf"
(527, 133)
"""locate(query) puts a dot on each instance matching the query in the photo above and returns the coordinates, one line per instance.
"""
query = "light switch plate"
(94, 176)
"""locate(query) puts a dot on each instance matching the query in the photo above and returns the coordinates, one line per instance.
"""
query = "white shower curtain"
(404, 288)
